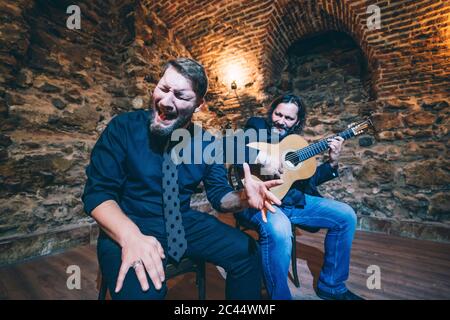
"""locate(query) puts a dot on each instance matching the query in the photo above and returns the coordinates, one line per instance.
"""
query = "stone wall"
(396, 179)
(58, 90)
(60, 87)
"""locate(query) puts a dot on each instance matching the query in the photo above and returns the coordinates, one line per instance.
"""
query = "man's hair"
(301, 113)
(193, 71)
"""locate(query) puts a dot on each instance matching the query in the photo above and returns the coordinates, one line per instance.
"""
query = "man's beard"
(161, 131)
(281, 135)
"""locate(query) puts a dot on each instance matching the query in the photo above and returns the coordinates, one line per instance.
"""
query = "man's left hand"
(335, 145)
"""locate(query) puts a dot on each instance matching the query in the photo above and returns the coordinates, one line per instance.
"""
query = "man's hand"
(335, 145)
(271, 166)
(146, 253)
(258, 194)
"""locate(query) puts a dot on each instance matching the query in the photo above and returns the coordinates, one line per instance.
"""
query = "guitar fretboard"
(318, 147)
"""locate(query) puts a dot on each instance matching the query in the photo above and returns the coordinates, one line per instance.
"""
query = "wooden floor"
(410, 269)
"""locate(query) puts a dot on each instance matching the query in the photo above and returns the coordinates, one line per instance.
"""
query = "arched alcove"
(294, 20)
(329, 68)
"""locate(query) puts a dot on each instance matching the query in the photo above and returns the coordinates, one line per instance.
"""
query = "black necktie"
(176, 240)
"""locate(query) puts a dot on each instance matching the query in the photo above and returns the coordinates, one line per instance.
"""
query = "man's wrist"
(243, 198)
(334, 164)
(129, 234)
(234, 201)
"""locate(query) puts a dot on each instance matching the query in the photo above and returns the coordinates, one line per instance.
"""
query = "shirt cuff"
(216, 204)
(334, 170)
(92, 201)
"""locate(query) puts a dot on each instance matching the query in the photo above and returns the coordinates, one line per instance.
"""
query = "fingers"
(122, 273)
(140, 273)
(160, 250)
(332, 142)
(273, 183)
(151, 266)
(268, 206)
(151, 255)
(335, 141)
(247, 173)
(157, 263)
(272, 198)
(264, 214)
(335, 144)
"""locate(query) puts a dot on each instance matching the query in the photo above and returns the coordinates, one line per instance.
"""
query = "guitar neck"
(320, 146)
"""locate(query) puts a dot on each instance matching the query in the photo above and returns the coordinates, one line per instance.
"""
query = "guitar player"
(302, 205)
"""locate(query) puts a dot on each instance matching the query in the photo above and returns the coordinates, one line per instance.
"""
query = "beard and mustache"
(165, 131)
(281, 134)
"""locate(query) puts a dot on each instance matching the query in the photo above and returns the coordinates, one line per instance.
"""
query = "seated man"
(141, 199)
(302, 205)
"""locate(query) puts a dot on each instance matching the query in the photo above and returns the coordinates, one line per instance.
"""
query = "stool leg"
(201, 280)
(294, 258)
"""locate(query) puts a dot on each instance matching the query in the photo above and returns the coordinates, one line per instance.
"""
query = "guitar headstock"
(361, 127)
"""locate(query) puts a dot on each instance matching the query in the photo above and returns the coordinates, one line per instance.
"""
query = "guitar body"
(292, 171)
(292, 149)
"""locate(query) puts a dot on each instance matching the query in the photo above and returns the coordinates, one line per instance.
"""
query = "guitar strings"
(316, 147)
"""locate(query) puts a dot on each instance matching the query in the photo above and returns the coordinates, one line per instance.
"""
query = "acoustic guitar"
(297, 157)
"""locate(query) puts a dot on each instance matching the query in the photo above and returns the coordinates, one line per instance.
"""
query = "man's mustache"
(281, 126)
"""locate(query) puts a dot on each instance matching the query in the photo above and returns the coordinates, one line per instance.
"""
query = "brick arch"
(408, 56)
(295, 20)
(254, 32)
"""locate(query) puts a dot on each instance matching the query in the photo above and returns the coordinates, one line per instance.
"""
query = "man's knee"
(349, 216)
(278, 228)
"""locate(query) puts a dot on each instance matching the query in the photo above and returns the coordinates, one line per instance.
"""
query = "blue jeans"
(275, 241)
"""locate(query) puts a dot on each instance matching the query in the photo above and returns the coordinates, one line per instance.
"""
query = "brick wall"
(408, 57)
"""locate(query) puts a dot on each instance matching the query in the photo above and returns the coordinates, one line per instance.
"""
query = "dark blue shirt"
(126, 164)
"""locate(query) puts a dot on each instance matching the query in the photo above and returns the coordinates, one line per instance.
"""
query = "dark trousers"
(208, 239)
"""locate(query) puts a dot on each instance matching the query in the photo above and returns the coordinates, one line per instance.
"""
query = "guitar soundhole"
(291, 159)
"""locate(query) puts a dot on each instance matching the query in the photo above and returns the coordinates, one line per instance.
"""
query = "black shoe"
(347, 295)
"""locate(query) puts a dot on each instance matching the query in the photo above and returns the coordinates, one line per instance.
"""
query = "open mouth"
(165, 115)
